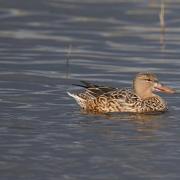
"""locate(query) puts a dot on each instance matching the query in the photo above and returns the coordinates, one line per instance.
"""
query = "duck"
(141, 98)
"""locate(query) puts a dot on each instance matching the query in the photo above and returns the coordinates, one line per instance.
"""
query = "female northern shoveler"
(140, 99)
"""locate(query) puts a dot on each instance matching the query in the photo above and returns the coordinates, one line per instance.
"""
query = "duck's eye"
(148, 80)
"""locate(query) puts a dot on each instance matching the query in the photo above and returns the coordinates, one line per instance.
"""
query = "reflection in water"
(143, 122)
(137, 117)
(68, 61)
(161, 15)
(153, 3)
(162, 25)
(150, 122)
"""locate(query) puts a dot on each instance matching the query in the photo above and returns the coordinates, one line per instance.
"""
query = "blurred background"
(47, 45)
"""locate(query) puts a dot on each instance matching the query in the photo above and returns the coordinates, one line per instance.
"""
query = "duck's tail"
(78, 99)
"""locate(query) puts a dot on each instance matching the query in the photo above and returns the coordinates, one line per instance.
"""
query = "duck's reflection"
(139, 117)
(141, 126)
(142, 122)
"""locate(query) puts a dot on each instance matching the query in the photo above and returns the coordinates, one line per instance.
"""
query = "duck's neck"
(143, 93)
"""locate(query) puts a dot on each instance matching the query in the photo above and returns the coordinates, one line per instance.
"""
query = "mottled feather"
(102, 99)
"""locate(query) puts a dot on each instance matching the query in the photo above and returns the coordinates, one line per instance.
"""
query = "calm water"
(47, 45)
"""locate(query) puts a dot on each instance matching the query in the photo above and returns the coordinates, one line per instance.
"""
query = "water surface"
(47, 45)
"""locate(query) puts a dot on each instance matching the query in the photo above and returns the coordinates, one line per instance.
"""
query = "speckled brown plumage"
(102, 99)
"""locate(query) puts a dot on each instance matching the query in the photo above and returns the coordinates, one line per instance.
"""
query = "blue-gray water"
(47, 45)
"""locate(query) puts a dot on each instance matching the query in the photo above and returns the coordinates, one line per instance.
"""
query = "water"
(47, 45)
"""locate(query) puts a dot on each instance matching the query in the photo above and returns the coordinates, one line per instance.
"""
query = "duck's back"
(119, 100)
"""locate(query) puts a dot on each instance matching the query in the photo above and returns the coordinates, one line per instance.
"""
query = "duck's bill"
(164, 89)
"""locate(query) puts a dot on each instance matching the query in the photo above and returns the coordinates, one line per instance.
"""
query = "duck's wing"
(94, 89)
(126, 99)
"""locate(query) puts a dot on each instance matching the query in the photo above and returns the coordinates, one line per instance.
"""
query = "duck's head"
(146, 84)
